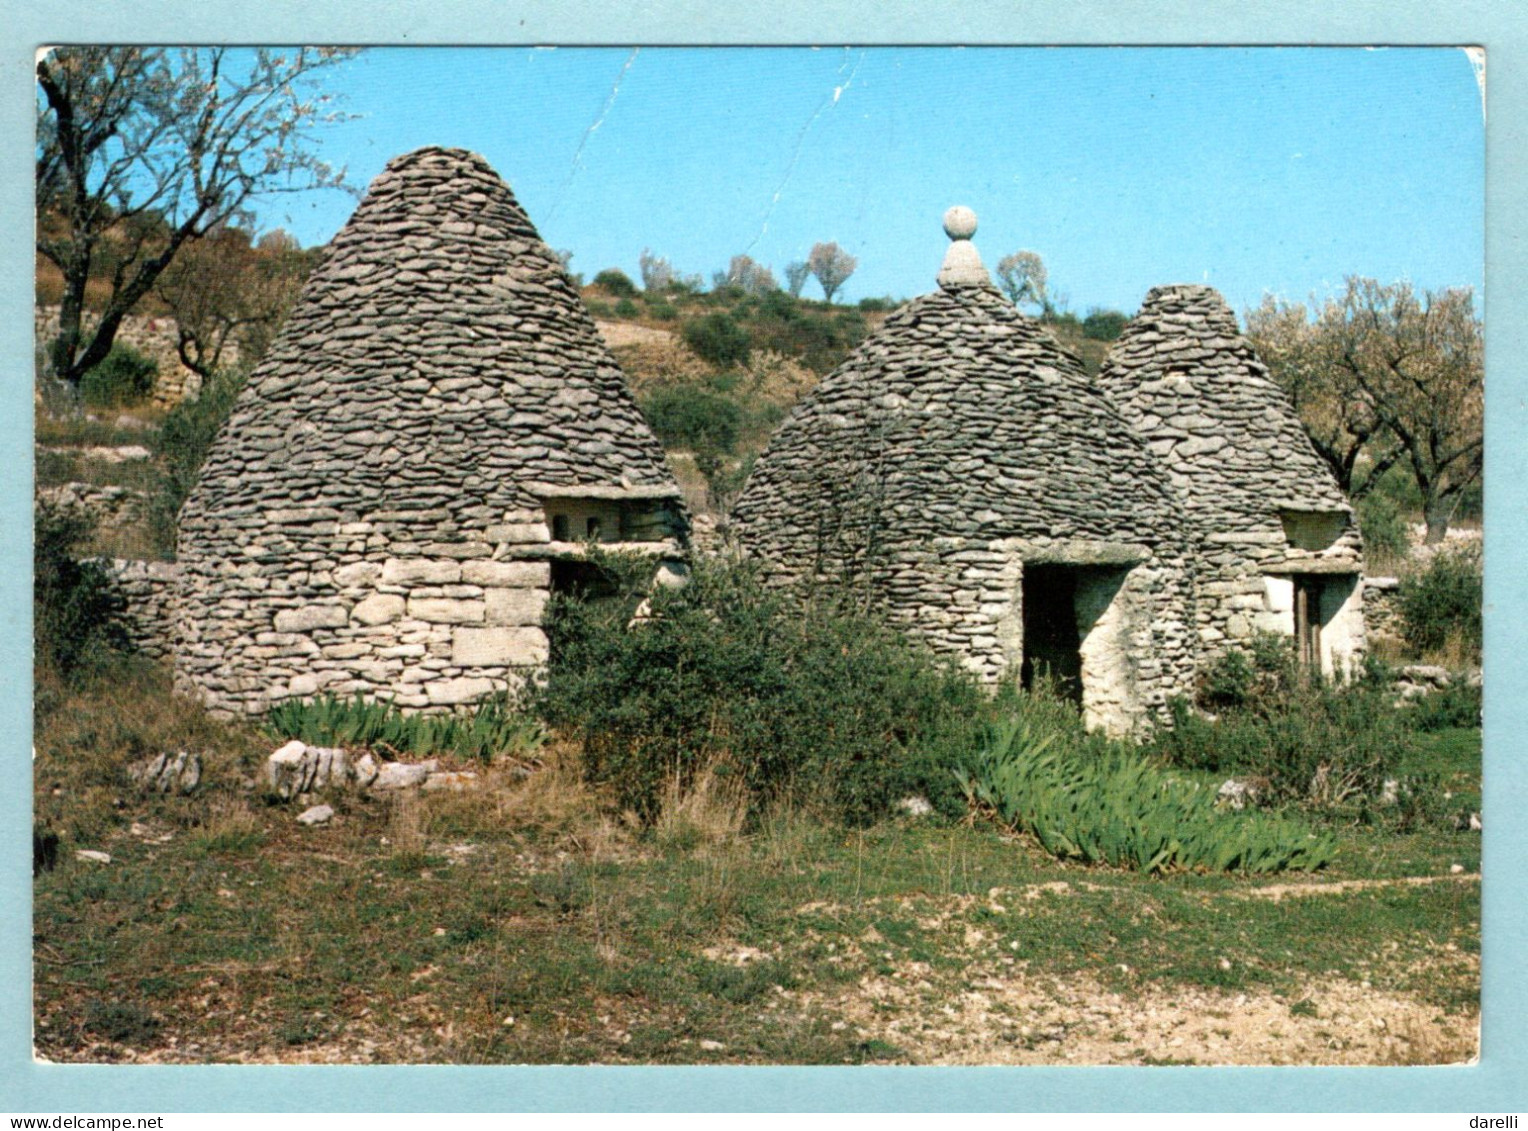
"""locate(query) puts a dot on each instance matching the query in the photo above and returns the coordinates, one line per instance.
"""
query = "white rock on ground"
(168, 773)
(318, 815)
(93, 856)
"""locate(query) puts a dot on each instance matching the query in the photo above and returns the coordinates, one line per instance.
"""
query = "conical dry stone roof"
(967, 419)
(438, 358)
(1192, 386)
(377, 517)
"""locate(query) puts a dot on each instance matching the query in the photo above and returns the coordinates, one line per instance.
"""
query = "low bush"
(1105, 803)
(782, 696)
(1382, 522)
(487, 730)
(615, 283)
(182, 444)
(123, 377)
(693, 417)
(1104, 325)
(1442, 603)
(1305, 741)
(718, 339)
(1457, 705)
(76, 605)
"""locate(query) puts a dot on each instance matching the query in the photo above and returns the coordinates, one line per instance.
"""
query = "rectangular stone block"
(413, 571)
(519, 575)
(446, 610)
(379, 608)
(446, 692)
(519, 532)
(499, 646)
(515, 606)
(357, 573)
(309, 617)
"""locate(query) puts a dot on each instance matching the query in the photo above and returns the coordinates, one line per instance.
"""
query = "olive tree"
(1384, 375)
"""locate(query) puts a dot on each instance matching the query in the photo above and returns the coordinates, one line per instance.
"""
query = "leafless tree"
(141, 151)
(223, 292)
(1022, 276)
(832, 266)
(796, 275)
(657, 272)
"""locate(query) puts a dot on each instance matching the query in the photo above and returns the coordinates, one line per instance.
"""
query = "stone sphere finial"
(960, 223)
(962, 265)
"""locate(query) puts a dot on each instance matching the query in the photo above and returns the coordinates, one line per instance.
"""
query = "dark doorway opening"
(1052, 643)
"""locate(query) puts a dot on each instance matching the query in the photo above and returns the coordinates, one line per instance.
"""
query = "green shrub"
(690, 416)
(784, 696)
(1251, 677)
(76, 606)
(482, 732)
(626, 309)
(1104, 325)
(718, 339)
(123, 377)
(616, 283)
(663, 311)
(1444, 601)
(1457, 705)
(182, 445)
(1111, 805)
(1383, 525)
(804, 331)
(1308, 742)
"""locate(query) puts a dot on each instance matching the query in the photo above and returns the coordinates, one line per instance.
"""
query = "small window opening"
(559, 528)
(592, 526)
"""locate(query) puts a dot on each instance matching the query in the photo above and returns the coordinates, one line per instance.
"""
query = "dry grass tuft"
(229, 827)
(656, 364)
(708, 814)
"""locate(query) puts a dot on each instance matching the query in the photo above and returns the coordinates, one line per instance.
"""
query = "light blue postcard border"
(1498, 1083)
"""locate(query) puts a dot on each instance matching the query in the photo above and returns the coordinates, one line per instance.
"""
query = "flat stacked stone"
(956, 444)
(372, 519)
(1252, 485)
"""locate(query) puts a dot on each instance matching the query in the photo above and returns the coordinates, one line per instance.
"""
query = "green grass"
(527, 922)
(480, 733)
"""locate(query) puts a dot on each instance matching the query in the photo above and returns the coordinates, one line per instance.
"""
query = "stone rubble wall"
(153, 336)
(1382, 608)
(148, 594)
(111, 508)
(364, 608)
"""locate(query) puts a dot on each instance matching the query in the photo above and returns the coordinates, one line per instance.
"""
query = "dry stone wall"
(954, 446)
(1263, 507)
(374, 517)
(153, 336)
(148, 593)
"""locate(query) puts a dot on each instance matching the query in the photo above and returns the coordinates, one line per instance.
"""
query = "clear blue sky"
(1258, 169)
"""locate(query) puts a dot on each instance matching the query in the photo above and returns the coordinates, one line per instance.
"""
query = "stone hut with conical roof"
(416, 465)
(962, 472)
(1276, 542)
